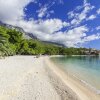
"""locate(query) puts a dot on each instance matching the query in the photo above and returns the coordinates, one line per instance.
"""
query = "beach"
(31, 78)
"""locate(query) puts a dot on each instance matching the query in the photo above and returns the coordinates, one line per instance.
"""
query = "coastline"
(31, 78)
(62, 89)
(77, 86)
(87, 85)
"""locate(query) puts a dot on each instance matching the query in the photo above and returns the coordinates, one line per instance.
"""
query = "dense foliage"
(12, 43)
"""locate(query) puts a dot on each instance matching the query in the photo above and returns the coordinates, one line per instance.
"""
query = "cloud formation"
(98, 28)
(42, 12)
(91, 17)
(91, 37)
(51, 29)
(78, 18)
(98, 11)
(12, 10)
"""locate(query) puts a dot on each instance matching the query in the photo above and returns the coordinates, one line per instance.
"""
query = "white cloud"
(91, 17)
(78, 18)
(98, 11)
(98, 28)
(50, 26)
(49, 13)
(42, 12)
(91, 37)
(71, 14)
(12, 12)
(50, 30)
(72, 37)
(41, 28)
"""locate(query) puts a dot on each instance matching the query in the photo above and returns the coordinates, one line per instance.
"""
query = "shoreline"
(78, 87)
(62, 89)
(31, 78)
(86, 84)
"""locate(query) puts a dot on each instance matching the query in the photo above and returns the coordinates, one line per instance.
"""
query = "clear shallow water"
(85, 68)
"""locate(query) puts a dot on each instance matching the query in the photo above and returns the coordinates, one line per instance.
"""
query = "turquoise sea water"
(85, 68)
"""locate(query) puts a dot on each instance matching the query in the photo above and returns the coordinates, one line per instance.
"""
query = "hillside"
(13, 42)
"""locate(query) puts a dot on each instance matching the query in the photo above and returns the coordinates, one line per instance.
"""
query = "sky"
(73, 23)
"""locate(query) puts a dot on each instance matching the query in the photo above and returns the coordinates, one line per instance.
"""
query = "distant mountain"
(12, 27)
(56, 44)
(27, 35)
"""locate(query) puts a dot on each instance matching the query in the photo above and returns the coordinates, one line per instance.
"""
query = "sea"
(84, 68)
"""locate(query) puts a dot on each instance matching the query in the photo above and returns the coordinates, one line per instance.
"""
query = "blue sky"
(73, 23)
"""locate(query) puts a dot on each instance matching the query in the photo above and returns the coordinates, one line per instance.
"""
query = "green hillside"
(12, 42)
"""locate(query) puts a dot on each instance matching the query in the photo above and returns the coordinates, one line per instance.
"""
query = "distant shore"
(31, 78)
